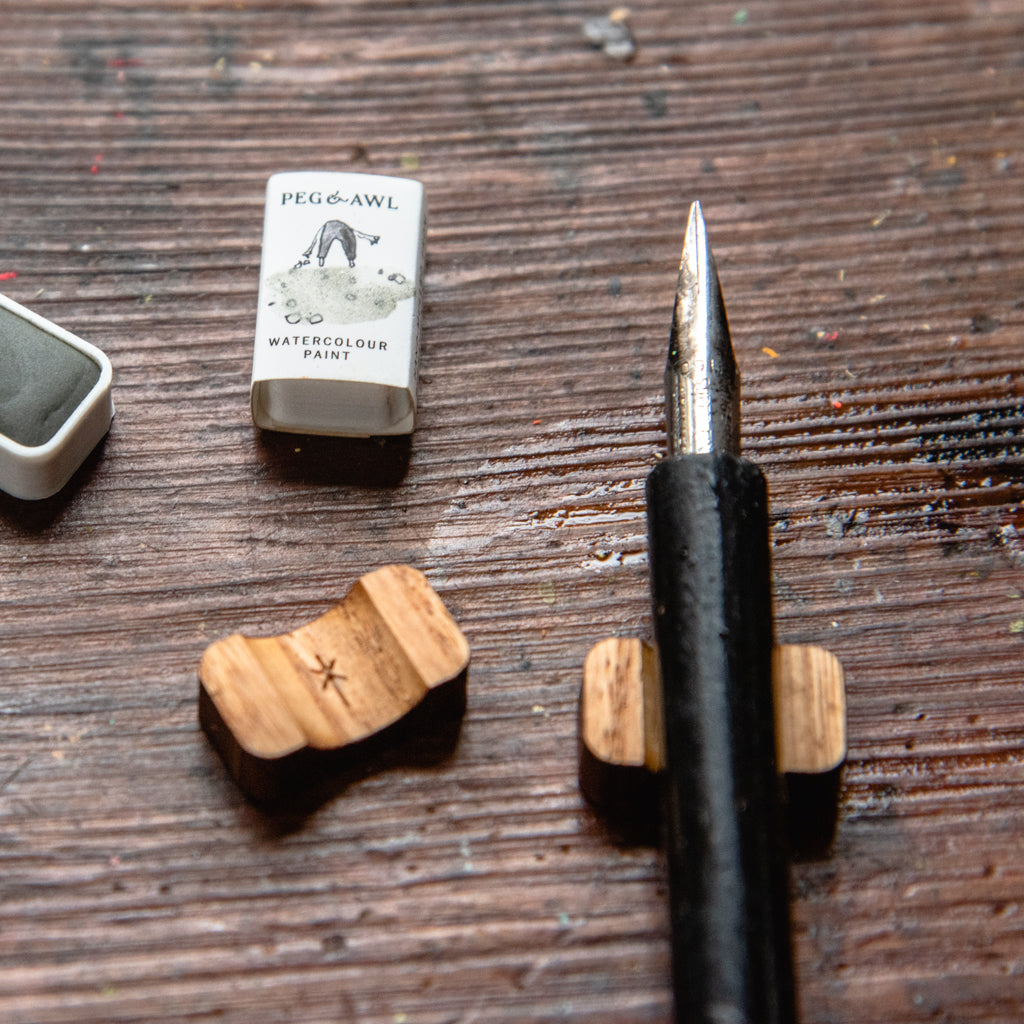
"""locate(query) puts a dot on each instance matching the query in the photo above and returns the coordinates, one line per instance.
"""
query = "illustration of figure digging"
(335, 231)
(337, 294)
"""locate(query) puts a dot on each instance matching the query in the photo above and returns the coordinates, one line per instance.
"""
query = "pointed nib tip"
(701, 379)
(695, 242)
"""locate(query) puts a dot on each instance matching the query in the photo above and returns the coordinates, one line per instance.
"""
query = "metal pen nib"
(702, 383)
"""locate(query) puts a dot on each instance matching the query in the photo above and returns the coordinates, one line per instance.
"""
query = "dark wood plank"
(860, 167)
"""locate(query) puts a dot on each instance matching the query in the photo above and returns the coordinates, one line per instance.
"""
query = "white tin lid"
(55, 403)
(337, 326)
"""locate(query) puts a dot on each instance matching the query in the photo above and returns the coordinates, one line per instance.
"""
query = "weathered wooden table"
(861, 167)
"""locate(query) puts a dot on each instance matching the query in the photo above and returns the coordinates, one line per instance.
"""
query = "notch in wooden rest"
(281, 711)
(621, 736)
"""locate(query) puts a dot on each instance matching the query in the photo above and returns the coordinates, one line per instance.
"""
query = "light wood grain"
(810, 708)
(621, 718)
(348, 675)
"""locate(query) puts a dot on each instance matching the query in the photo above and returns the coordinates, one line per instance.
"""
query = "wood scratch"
(4, 783)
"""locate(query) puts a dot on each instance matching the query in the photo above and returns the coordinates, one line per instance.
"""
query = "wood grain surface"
(861, 170)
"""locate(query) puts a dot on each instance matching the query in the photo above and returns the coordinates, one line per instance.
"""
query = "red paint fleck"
(836, 404)
(832, 336)
(8, 275)
(536, 423)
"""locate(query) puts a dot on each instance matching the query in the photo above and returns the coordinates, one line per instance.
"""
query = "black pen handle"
(728, 877)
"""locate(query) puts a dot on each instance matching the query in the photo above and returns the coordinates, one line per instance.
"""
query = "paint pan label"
(339, 298)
